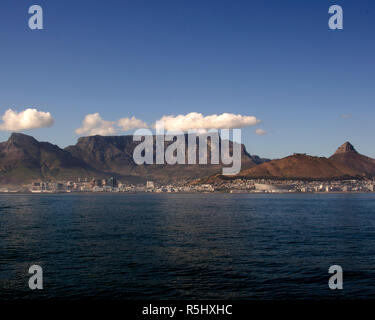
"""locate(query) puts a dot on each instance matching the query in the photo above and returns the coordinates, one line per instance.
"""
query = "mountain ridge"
(345, 163)
(23, 158)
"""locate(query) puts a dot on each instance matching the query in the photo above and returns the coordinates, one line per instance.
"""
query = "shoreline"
(132, 193)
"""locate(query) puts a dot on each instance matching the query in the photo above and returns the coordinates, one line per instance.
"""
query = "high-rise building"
(112, 182)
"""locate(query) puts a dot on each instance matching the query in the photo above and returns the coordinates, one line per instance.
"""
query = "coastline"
(144, 193)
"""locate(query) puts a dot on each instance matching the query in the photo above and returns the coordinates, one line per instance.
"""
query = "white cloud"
(25, 120)
(127, 124)
(195, 120)
(93, 124)
(260, 132)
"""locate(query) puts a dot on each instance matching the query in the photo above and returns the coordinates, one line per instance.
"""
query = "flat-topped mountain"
(115, 154)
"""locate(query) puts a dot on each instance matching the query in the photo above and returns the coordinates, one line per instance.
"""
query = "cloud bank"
(93, 124)
(195, 120)
(25, 120)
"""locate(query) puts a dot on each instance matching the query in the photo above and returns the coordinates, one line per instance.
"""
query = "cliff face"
(115, 154)
(108, 153)
(23, 158)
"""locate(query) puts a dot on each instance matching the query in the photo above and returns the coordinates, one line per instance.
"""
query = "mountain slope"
(23, 158)
(345, 163)
(347, 156)
(300, 166)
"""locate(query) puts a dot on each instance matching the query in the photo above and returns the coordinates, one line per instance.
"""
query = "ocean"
(187, 246)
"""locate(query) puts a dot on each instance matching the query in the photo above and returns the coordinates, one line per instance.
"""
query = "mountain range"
(24, 159)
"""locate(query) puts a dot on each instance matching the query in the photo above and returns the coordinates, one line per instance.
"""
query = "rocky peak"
(347, 147)
(20, 140)
(16, 136)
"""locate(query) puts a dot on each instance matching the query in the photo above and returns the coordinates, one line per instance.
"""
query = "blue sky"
(276, 60)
